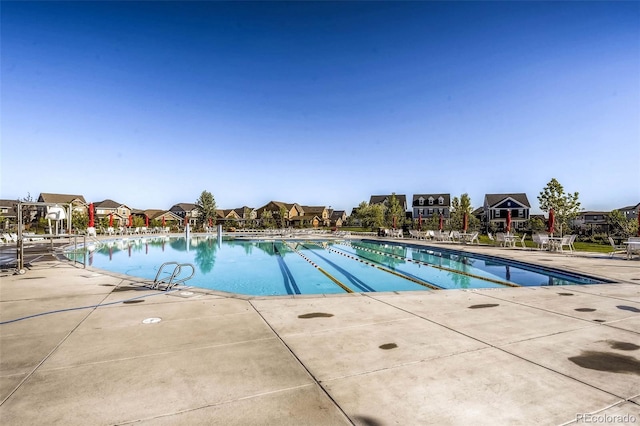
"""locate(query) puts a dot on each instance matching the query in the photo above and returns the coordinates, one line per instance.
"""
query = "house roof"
(445, 197)
(305, 217)
(627, 208)
(493, 199)
(186, 207)
(337, 214)
(60, 198)
(313, 210)
(107, 204)
(378, 199)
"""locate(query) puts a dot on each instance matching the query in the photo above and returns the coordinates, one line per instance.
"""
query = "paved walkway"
(545, 355)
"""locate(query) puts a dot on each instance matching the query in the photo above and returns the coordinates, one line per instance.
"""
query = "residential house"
(77, 202)
(429, 205)
(106, 208)
(309, 212)
(248, 215)
(592, 221)
(185, 210)
(497, 206)
(630, 212)
(158, 215)
(227, 215)
(275, 207)
(337, 218)
(384, 199)
(8, 213)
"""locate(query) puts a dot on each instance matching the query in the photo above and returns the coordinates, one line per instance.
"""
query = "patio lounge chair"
(501, 239)
(541, 240)
(473, 238)
(617, 249)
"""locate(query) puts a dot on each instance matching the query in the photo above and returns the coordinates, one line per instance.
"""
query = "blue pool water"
(273, 267)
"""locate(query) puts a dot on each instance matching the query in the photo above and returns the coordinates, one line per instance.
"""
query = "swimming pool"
(279, 267)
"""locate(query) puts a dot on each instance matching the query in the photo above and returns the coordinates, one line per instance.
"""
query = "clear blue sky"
(320, 103)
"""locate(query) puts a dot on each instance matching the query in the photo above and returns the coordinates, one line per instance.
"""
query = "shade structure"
(420, 222)
(440, 225)
(130, 223)
(91, 216)
(186, 220)
(164, 221)
(210, 222)
(465, 222)
(552, 220)
(110, 220)
(508, 226)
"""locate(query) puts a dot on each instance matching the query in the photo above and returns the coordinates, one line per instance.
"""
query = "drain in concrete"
(151, 320)
(484, 305)
(607, 361)
(108, 285)
(623, 346)
(599, 320)
(565, 294)
(628, 308)
(129, 302)
(315, 315)
(388, 346)
(366, 421)
(584, 309)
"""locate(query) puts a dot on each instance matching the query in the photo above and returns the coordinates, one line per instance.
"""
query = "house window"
(421, 201)
(430, 201)
(420, 211)
(497, 213)
(430, 211)
(521, 213)
(441, 201)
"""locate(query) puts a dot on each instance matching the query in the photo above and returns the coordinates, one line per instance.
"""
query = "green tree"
(394, 210)
(371, 215)
(536, 224)
(206, 207)
(565, 206)
(460, 206)
(619, 225)
(282, 213)
(267, 219)
(246, 217)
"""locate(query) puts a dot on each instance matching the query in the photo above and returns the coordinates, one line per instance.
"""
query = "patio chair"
(565, 242)
(501, 239)
(541, 241)
(473, 238)
(616, 249)
(524, 246)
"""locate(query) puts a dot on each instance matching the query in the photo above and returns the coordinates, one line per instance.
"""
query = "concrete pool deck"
(536, 355)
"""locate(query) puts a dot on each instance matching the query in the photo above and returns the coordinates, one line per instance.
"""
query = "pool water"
(277, 267)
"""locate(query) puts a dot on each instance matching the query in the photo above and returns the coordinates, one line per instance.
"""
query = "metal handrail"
(169, 283)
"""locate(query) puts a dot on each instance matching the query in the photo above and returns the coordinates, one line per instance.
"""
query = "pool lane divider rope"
(382, 268)
(444, 268)
(328, 275)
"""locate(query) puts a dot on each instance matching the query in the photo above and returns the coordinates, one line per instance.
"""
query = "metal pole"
(85, 252)
(20, 245)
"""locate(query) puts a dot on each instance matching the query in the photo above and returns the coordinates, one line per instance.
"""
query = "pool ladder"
(169, 282)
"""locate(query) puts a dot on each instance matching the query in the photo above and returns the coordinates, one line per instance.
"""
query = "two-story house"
(120, 212)
(630, 212)
(187, 211)
(337, 218)
(429, 205)
(275, 207)
(592, 221)
(312, 215)
(384, 199)
(497, 206)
